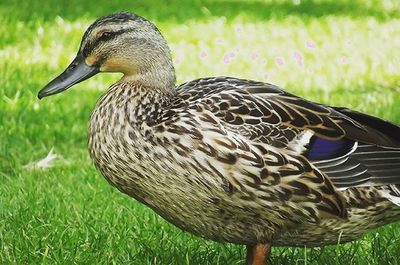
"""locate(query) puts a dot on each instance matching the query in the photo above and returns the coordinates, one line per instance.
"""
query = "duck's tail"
(369, 164)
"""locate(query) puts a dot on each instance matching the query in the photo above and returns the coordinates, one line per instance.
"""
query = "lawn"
(333, 51)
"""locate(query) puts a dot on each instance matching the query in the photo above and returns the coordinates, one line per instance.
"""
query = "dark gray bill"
(76, 72)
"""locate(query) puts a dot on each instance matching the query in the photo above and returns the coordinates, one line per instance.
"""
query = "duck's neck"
(156, 73)
(157, 80)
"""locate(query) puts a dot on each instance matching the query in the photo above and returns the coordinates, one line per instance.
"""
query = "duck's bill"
(76, 72)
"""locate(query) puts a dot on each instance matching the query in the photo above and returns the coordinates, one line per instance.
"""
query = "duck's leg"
(257, 254)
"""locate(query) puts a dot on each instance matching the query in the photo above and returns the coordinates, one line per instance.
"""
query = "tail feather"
(388, 134)
(392, 193)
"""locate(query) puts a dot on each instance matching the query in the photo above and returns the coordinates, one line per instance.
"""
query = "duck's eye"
(105, 35)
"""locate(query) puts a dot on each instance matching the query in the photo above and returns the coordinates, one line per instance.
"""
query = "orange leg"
(258, 254)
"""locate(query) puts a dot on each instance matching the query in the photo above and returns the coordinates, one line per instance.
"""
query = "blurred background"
(55, 208)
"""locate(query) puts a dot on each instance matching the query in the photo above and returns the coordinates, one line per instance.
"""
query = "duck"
(229, 159)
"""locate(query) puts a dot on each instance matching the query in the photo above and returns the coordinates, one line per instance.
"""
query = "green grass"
(69, 214)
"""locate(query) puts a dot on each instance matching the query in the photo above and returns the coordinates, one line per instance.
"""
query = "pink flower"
(228, 57)
(203, 54)
(254, 56)
(344, 60)
(310, 44)
(280, 61)
(299, 58)
(177, 62)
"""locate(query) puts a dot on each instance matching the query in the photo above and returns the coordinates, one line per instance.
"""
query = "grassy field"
(337, 52)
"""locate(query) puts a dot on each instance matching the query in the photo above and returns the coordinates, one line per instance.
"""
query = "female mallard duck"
(228, 159)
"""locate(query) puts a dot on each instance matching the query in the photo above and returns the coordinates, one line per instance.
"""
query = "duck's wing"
(264, 112)
(351, 148)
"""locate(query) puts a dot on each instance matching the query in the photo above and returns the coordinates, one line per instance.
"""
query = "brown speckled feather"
(227, 152)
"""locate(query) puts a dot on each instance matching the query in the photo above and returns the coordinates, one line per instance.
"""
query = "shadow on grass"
(183, 10)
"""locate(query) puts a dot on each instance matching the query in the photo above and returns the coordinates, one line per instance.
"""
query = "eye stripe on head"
(108, 35)
(112, 19)
(103, 37)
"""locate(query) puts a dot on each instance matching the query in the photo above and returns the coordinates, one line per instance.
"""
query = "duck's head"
(120, 42)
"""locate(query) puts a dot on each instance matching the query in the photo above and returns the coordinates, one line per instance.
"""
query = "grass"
(333, 51)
